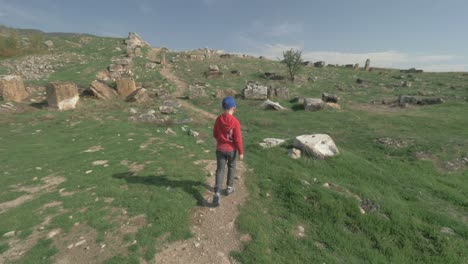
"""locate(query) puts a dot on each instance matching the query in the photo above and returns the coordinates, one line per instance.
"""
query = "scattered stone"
(356, 66)
(255, 91)
(62, 95)
(430, 101)
(326, 185)
(193, 133)
(12, 88)
(49, 43)
(133, 110)
(88, 171)
(134, 44)
(329, 98)
(80, 243)
(125, 87)
(319, 146)
(197, 90)
(295, 153)
(94, 149)
(404, 100)
(174, 104)
(369, 206)
(313, 104)
(221, 93)
(236, 72)
(167, 110)
(300, 231)
(9, 234)
(272, 105)
(170, 132)
(334, 106)
(406, 84)
(8, 107)
(281, 93)
(367, 66)
(214, 68)
(100, 162)
(139, 96)
(70, 246)
(271, 142)
(53, 233)
(102, 91)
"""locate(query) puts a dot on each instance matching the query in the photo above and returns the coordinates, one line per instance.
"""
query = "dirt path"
(214, 230)
(181, 90)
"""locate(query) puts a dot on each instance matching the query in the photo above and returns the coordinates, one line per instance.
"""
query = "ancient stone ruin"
(255, 91)
(12, 88)
(125, 87)
(134, 45)
(139, 96)
(120, 67)
(319, 146)
(102, 91)
(280, 93)
(367, 66)
(213, 72)
(313, 104)
(197, 90)
(62, 95)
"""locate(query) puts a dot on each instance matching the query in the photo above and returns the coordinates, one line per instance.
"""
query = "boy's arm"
(238, 141)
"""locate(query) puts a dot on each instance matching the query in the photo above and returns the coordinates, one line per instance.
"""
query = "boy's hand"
(241, 156)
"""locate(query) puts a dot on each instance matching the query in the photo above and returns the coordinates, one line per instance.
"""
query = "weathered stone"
(139, 96)
(313, 104)
(12, 88)
(281, 93)
(125, 87)
(167, 110)
(271, 142)
(214, 68)
(221, 93)
(356, 66)
(272, 105)
(162, 93)
(404, 100)
(9, 234)
(406, 84)
(430, 101)
(49, 44)
(334, 106)
(134, 44)
(295, 153)
(197, 90)
(170, 132)
(62, 95)
(330, 98)
(174, 104)
(255, 91)
(236, 72)
(102, 91)
(103, 75)
(319, 146)
(367, 65)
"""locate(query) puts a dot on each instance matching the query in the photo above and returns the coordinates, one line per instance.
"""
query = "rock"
(125, 87)
(53, 233)
(100, 162)
(167, 110)
(102, 91)
(62, 95)
(213, 68)
(80, 243)
(404, 100)
(295, 153)
(134, 44)
(406, 84)
(281, 93)
(161, 93)
(271, 142)
(170, 132)
(197, 90)
(49, 44)
(139, 96)
(319, 146)
(103, 75)
(330, 98)
(356, 66)
(174, 104)
(221, 93)
(193, 133)
(319, 64)
(367, 66)
(430, 101)
(133, 110)
(12, 88)
(9, 234)
(313, 104)
(300, 231)
(254, 91)
(334, 106)
(298, 100)
(236, 72)
(272, 105)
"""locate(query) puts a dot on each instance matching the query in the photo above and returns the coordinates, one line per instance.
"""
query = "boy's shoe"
(229, 190)
(216, 200)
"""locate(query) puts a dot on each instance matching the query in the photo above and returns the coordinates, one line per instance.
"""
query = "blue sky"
(431, 35)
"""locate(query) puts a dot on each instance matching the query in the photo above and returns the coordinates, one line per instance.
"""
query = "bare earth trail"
(214, 230)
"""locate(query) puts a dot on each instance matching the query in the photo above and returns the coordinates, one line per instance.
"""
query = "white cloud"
(286, 28)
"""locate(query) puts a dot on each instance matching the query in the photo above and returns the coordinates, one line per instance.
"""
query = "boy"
(228, 136)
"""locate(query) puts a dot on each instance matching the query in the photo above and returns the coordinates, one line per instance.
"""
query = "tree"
(293, 60)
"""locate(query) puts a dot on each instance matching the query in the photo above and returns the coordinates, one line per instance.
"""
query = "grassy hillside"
(95, 175)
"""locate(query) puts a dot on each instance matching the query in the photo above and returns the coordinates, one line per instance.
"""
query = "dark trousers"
(221, 159)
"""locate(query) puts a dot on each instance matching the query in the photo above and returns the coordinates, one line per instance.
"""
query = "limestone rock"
(295, 153)
(12, 88)
(255, 91)
(213, 68)
(367, 66)
(271, 142)
(139, 96)
(102, 91)
(125, 87)
(281, 93)
(197, 90)
(221, 93)
(62, 95)
(313, 104)
(319, 146)
(272, 105)
(49, 43)
(167, 110)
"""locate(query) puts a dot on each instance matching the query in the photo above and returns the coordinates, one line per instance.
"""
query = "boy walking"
(228, 136)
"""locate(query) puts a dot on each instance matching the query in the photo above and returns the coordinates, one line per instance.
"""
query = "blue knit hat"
(228, 103)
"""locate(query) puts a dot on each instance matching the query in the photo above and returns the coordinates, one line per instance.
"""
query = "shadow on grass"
(40, 105)
(187, 186)
(298, 107)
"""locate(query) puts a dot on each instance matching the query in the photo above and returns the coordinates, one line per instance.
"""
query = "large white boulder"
(319, 146)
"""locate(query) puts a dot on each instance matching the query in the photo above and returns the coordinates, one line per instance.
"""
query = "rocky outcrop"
(319, 146)
(62, 95)
(125, 87)
(255, 91)
(134, 45)
(102, 91)
(12, 88)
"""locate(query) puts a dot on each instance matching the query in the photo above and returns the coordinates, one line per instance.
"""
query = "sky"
(426, 34)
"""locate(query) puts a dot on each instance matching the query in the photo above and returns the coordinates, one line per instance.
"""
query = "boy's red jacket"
(227, 132)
